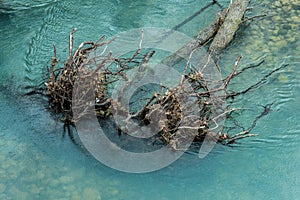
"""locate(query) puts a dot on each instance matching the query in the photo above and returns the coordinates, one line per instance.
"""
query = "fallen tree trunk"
(202, 37)
(227, 30)
(221, 31)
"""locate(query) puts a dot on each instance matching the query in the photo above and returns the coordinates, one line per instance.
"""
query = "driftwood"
(175, 127)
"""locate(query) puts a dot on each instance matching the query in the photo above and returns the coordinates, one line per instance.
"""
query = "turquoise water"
(37, 163)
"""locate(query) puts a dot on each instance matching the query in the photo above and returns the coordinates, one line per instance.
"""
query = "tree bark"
(221, 30)
(231, 24)
(199, 40)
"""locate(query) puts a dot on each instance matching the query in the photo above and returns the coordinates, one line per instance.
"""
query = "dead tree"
(97, 72)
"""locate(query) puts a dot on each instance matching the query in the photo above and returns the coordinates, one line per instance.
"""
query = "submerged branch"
(256, 85)
(246, 133)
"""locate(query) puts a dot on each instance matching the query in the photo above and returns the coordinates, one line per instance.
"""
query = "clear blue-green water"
(37, 163)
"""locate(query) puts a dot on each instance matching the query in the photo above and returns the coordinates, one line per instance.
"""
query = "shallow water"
(37, 163)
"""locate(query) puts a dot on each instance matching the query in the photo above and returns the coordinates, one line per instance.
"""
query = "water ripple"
(41, 44)
(15, 5)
